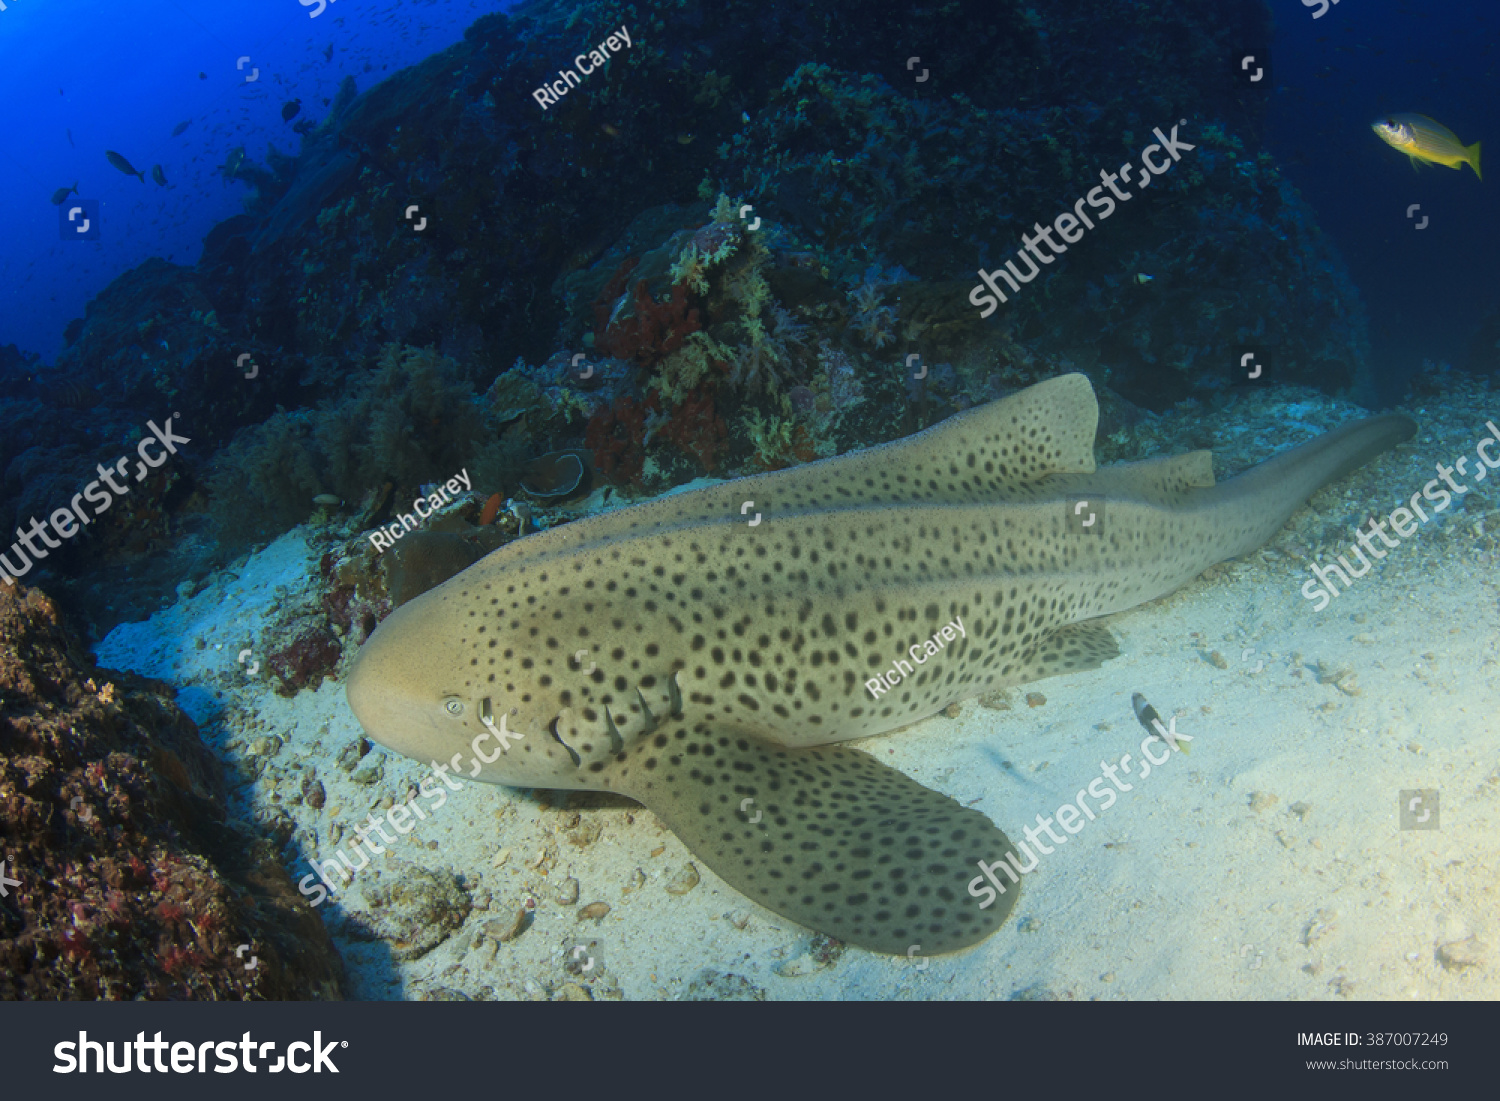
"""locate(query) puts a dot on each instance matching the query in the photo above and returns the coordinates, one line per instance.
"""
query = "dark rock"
(132, 883)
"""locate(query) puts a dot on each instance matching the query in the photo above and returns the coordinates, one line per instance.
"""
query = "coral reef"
(643, 330)
(134, 885)
(304, 660)
(618, 226)
(413, 417)
(616, 437)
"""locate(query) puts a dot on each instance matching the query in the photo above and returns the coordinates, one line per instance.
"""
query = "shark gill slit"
(556, 737)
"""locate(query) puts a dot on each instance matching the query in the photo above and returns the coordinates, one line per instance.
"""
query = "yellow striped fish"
(1422, 139)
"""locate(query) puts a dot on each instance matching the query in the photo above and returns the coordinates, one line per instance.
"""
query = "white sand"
(1180, 890)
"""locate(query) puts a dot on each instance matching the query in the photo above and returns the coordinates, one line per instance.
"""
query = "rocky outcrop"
(123, 877)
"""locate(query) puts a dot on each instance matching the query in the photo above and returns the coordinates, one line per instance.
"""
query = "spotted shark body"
(707, 657)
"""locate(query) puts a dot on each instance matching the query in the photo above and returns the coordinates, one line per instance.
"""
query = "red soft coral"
(616, 435)
(653, 332)
(697, 429)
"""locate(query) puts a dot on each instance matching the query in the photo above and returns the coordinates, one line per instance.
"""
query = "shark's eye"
(454, 706)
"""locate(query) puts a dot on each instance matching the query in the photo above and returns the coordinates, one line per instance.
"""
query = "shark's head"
(423, 686)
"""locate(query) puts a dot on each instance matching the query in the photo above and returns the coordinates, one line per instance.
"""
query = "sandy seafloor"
(1267, 863)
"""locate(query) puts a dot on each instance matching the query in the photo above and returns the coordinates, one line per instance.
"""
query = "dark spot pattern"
(702, 628)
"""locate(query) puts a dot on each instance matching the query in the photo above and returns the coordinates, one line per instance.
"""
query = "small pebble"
(1035, 699)
(567, 891)
(500, 858)
(683, 882)
(997, 700)
(1218, 660)
(1301, 810)
(953, 711)
(594, 911)
(1260, 800)
(1461, 954)
(314, 795)
(509, 928)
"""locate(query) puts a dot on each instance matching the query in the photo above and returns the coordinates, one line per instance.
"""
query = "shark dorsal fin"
(988, 454)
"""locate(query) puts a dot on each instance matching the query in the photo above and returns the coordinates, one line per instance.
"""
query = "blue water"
(121, 77)
(1425, 289)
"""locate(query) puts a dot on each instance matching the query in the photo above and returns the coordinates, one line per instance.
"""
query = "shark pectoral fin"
(827, 837)
(1072, 649)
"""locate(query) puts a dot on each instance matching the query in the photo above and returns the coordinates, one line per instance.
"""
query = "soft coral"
(656, 329)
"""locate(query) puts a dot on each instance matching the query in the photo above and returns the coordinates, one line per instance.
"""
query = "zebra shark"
(711, 665)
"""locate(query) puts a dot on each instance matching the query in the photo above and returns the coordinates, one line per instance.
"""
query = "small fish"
(70, 138)
(1144, 712)
(328, 53)
(70, 395)
(685, 138)
(609, 130)
(289, 109)
(1142, 277)
(181, 126)
(1422, 139)
(158, 175)
(1152, 722)
(123, 165)
(327, 500)
(491, 509)
(231, 166)
(60, 196)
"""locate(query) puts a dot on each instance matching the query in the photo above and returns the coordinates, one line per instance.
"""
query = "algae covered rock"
(414, 909)
(132, 883)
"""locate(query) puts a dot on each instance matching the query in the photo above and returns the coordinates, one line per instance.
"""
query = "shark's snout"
(391, 691)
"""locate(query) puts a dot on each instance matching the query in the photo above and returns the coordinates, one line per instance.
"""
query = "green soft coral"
(686, 369)
(770, 436)
(691, 268)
